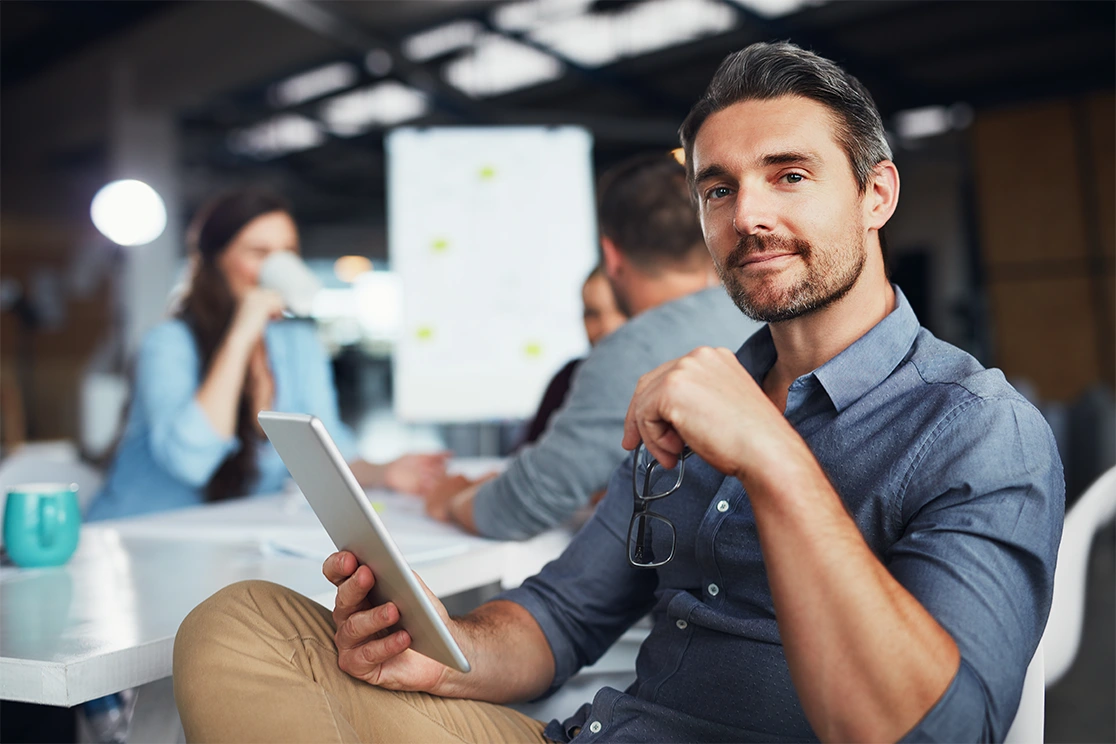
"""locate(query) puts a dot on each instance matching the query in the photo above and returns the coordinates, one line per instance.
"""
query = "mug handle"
(48, 522)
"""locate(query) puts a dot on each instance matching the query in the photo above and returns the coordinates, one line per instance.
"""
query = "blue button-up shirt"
(955, 483)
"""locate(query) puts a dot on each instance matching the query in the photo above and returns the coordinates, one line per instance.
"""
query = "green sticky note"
(424, 333)
(439, 245)
(487, 173)
(533, 349)
(377, 506)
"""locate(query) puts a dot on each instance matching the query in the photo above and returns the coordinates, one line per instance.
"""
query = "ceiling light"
(313, 84)
(588, 40)
(531, 14)
(679, 155)
(277, 136)
(440, 40)
(499, 65)
(382, 104)
(659, 24)
(129, 212)
(776, 8)
(931, 121)
(922, 122)
(598, 39)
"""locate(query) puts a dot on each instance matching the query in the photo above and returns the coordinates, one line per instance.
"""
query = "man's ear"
(613, 258)
(882, 195)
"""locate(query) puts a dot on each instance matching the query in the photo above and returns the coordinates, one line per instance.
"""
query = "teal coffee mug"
(42, 523)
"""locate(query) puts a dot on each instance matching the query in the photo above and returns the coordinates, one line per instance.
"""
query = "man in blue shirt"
(863, 538)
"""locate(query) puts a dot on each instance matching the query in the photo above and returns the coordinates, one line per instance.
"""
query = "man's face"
(601, 315)
(779, 206)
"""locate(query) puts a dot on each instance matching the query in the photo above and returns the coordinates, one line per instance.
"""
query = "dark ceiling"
(36, 35)
(909, 54)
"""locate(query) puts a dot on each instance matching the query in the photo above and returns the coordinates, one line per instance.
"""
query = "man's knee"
(231, 618)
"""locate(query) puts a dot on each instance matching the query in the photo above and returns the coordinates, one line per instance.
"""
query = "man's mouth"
(758, 259)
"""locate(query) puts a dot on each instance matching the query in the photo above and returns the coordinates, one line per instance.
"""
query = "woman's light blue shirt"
(170, 450)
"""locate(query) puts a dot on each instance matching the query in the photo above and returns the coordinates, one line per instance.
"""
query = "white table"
(106, 620)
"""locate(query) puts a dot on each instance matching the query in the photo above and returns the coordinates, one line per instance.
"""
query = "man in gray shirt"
(662, 275)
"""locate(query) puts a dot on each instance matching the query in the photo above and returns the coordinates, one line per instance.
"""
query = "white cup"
(286, 273)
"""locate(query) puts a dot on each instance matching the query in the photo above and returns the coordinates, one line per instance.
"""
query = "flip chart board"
(492, 231)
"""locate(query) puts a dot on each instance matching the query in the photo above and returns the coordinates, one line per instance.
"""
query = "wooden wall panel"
(1102, 145)
(58, 356)
(1050, 337)
(1046, 190)
(1030, 191)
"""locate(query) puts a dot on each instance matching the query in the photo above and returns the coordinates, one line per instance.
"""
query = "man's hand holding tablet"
(367, 647)
(391, 631)
(370, 650)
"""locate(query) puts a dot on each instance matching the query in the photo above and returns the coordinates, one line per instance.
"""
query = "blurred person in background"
(601, 317)
(662, 278)
(202, 376)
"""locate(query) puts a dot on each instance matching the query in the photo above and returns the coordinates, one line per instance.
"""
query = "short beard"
(822, 286)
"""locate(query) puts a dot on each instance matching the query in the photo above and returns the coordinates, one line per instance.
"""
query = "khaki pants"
(256, 663)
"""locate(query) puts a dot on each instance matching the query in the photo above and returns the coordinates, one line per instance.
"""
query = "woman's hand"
(417, 474)
(256, 309)
(367, 647)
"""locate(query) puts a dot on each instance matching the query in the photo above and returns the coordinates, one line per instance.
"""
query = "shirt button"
(713, 590)
(681, 624)
(722, 506)
(595, 727)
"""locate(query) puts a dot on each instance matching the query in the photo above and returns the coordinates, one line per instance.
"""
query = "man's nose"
(754, 212)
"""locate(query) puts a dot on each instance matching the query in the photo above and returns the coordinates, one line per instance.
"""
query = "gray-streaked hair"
(766, 71)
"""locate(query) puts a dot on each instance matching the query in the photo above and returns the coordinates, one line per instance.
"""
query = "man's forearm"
(509, 655)
(868, 661)
(461, 508)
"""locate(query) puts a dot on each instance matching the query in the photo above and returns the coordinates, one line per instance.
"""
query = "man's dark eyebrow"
(805, 159)
(790, 158)
(710, 171)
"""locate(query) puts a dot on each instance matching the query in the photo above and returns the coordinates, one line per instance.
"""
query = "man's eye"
(793, 177)
(717, 192)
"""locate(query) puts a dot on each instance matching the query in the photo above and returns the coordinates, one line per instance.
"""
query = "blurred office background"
(1001, 115)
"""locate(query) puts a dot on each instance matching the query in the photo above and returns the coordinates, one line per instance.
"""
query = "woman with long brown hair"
(202, 376)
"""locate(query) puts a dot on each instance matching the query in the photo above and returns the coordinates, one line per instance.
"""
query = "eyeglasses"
(645, 522)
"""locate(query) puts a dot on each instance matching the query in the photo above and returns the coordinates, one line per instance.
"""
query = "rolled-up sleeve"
(551, 479)
(984, 503)
(183, 441)
(586, 598)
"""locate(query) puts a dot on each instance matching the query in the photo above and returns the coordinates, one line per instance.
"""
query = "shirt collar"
(757, 355)
(868, 361)
(863, 365)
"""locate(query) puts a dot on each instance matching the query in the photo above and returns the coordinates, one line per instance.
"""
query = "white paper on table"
(419, 538)
(285, 524)
(417, 549)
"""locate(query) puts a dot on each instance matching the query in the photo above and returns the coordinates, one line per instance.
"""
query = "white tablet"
(341, 506)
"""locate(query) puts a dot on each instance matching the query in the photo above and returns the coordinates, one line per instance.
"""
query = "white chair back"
(1030, 718)
(1094, 509)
